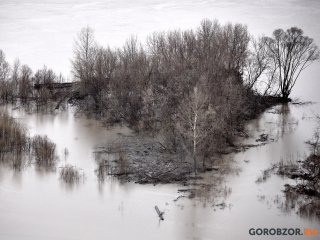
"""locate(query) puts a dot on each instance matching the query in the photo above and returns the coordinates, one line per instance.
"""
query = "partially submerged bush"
(71, 174)
(14, 142)
(44, 151)
(116, 164)
(102, 170)
(122, 161)
(314, 142)
(15, 145)
(304, 196)
(13, 137)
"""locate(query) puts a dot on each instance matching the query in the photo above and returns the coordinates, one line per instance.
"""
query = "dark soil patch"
(142, 160)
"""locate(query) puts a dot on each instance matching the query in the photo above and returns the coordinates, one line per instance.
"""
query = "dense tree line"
(17, 83)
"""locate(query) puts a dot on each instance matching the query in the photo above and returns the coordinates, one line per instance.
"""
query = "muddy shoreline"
(145, 160)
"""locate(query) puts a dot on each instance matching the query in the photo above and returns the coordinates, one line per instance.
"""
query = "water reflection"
(17, 178)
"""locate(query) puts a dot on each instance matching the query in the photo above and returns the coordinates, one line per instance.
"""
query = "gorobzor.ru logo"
(283, 231)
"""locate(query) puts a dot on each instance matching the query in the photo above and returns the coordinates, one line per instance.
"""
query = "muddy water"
(35, 204)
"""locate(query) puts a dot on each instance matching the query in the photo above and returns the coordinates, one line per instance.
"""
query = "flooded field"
(36, 204)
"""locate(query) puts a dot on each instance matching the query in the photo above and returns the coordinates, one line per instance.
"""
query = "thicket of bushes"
(16, 148)
(14, 141)
(71, 174)
(44, 151)
(194, 87)
(189, 86)
(17, 83)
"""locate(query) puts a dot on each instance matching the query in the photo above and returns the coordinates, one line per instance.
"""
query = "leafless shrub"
(195, 122)
(44, 151)
(122, 161)
(14, 142)
(25, 84)
(304, 195)
(314, 142)
(266, 174)
(5, 85)
(291, 52)
(260, 72)
(71, 174)
(102, 170)
(112, 161)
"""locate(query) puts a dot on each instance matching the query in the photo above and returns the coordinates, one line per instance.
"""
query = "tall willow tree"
(291, 52)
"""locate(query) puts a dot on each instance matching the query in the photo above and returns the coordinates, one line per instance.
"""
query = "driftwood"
(160, 214)
(181, 196)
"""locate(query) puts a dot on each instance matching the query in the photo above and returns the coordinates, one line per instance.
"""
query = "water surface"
(37, 205)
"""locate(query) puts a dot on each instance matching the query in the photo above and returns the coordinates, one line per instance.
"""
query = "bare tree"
(15, 77)
(45, 76)
(130, 82)
(104, 66)
(5, 84)
(194, 121)
(237, 38)
(94, 67)
(292, 52)
(43, 80)
(257, 62)
(84, 56)
(260, 72)
(4, 67)
(25, 83)
(314, 142)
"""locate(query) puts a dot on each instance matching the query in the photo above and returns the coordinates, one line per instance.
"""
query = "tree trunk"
(195, 163)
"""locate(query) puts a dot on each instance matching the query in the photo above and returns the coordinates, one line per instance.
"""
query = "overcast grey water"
(37, 205)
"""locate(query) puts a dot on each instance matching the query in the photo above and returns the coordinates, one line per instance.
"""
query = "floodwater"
(35, 204)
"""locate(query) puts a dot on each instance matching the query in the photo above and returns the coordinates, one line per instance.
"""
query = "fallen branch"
(160, 214)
